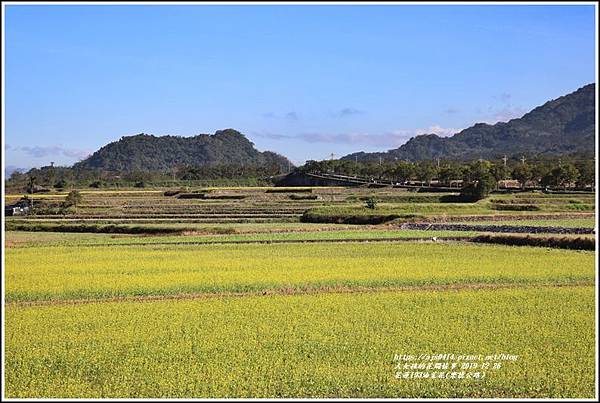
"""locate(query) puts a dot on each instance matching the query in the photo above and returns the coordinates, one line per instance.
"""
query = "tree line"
(55, 177)
(561, 172)
(556, 173)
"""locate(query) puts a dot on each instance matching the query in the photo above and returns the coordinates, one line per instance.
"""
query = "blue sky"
(304, 81)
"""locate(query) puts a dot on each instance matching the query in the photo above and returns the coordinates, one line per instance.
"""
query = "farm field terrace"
(254, 204)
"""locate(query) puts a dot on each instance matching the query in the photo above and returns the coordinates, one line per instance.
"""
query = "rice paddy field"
(136, 294)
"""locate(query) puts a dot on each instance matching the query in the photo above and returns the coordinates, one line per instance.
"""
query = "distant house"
(509, 184)
(19, 208)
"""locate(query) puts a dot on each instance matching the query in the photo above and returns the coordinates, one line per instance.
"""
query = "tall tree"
(522, 173)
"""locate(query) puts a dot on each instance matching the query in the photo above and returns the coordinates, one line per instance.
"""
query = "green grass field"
(36, 239)
(425, 210)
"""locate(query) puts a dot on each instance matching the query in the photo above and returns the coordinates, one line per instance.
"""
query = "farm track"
(466, 238)
(193, 210)
(300, 291)
(231, 220)
(175, 216)
(278, 241)
(166, 220)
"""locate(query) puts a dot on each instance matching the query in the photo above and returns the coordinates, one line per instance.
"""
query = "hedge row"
(356, 219)
(578, 243)
(516, 207)
(96, 229)
(299, 190)
(212, 197)
(525, 229)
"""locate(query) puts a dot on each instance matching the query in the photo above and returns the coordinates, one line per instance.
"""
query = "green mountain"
(565, 125)
(145, 152)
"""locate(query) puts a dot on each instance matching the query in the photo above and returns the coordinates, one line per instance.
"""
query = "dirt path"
(262, 241)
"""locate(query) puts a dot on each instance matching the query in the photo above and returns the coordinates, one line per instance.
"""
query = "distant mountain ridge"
(562, 126)
(145, 152)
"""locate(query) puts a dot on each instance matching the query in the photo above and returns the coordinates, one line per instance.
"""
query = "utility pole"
(332, 155)
(331, 159)
(594, 182)
(523, 159)
(438, 162)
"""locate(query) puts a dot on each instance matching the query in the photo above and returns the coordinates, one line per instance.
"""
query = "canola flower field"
(324, 345)
(106, 272)
(198, 315)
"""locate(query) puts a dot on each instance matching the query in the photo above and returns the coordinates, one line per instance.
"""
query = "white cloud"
(506, 114)
(391, 139)
(9, 169)
(291, 115)
(346, 112)
(53, 151)
(439, 130)
(503, 110)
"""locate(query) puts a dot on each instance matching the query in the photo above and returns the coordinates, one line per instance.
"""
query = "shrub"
(454, 199)
(61, 184)
(73, 199)
(579, 243)
(95, 228)
(480, 181)
(226, 197)
(191, 196)
(316, 216)
(480, 189)
(285, 190)
(400, 198)
(371, 203)
(516, 207)
(303, 197)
